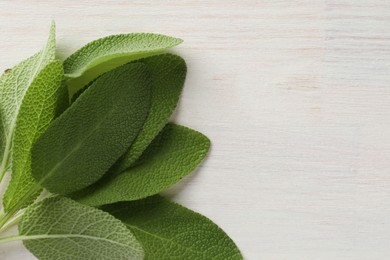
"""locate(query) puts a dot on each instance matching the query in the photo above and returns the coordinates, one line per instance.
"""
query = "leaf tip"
(179, 41)
(52, 27)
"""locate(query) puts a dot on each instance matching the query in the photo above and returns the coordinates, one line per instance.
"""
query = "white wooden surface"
(295, 96)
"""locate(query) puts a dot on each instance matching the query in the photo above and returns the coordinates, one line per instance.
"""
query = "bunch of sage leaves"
(88, 148)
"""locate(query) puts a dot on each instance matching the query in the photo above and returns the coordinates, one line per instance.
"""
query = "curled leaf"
(107, 53)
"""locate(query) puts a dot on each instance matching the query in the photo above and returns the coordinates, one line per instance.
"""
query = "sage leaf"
(168, 73)
(167, 230)
(107, 53)
(45, 99)
(13, 86)
(81, 144)
(61, 229)
(175, 153)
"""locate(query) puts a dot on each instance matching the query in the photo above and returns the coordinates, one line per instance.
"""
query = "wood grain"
(295, 96)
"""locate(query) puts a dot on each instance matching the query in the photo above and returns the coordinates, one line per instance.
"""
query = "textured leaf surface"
(14, 85)
(176, 152)
(62, 229)
(167, 230)
(45, 99)
(168, 74)
(110, 52)
(81, 144)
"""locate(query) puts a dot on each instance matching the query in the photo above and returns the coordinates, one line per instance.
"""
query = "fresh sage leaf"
(62, 229)
(175, 153)
(82, 144)
(45, 99)
(107, 53)
(168, 73)
(167, 230)
(13, 86)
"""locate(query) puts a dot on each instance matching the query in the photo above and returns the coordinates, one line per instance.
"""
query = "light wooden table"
(295, 96)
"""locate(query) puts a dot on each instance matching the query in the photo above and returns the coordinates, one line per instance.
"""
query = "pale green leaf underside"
(167, 230)
(14, 85)
(44, 100)
(107, 53)
(82, 144)
(175, 153)
(62, 229)
(168, 73)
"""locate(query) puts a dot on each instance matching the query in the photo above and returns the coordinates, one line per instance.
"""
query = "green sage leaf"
(168, 73)
(14, 85)
(81, 145)
(107, 53)
(45, 99)
(175, 153)
(62, 229)
(167, 230)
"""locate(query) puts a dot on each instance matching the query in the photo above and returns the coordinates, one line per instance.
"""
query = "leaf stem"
(56, 236)
(5, 221)
(10, 239)
(4, 162)
(6, 217)
(3, 170)
(12, 222)
(19, 237)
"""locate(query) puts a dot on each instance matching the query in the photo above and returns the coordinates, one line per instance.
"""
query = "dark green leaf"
(82, 144)
(175, 153)
(168, 73)
(167, 230)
